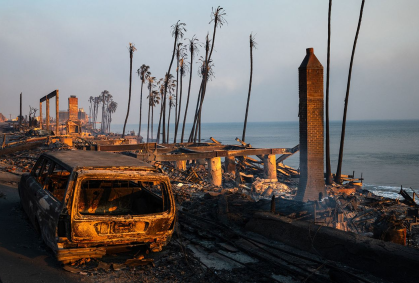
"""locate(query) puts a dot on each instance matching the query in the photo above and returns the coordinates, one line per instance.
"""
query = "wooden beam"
(295, 149)
(49, 96)
(220, 153)
(127, 147)
(26, 146)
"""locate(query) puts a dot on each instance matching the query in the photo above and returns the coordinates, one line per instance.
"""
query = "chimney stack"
(310, 73)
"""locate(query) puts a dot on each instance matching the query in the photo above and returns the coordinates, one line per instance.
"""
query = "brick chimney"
(73, 108)
(310, 74)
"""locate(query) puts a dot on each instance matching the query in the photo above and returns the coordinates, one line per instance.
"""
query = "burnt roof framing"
(218, 153)
(191, 151)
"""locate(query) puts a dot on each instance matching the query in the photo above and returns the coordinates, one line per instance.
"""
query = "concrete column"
(181, 165)
(47, 116)
(311, 182)
(214, 171)
(40, 115)
(57, 113)
(230, 164)
(269, 162)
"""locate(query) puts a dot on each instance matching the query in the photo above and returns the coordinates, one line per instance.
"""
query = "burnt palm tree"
(105, 99)
(150, 86)
(329, 179)
(91, 99)
(155, 101)
(180, 55)
(338, 177)
(111, 109)
(193, 49)
(171, 87)
(252, 45)
(183, 70)
(131, 54)
(143, 73)
(171, 104)
(217, 17)
(206, 71)
(178, 50)
(177, 32)
(96, 103)
(160, 85)
(201, 73)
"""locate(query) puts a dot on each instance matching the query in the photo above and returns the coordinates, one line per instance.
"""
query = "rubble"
(22, 161)
(244, 192)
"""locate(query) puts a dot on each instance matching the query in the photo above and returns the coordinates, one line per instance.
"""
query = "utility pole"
(20, 115)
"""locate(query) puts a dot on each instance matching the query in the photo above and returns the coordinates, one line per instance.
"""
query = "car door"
(28, 187)
(47, 206)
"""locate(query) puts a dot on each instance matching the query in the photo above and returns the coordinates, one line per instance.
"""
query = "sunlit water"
(385, 152)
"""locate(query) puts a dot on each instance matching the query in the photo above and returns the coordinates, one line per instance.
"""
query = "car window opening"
(56, 182)
(121, 197)
(52, 178)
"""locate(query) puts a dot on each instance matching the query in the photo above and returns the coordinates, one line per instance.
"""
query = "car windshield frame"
(126, 176)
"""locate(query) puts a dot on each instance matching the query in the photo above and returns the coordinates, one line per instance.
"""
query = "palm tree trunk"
(152, 121)
(168, 123)
(187, 100)
(102, 129)
(109, 122)
(164, 116)
(165, 89)
(201, 94)
(329, 179)
(148, 121)
(191, 136)
(129, 97)
(141, 107)
(160, 117)
(180, 107)
(176, 106)
(338, 177)
(250, 89)
(208, 60)
(199, 135)
(198, 116)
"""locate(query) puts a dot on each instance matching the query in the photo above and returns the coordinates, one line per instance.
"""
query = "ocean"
(386, 153)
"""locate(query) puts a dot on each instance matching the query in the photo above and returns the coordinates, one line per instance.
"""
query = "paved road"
(23, 256)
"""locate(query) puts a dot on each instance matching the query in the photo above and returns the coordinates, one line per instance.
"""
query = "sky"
(81, 48)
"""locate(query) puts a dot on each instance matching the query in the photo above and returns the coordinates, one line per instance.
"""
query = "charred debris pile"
(347, 208)
(246, 190)
(213, 221)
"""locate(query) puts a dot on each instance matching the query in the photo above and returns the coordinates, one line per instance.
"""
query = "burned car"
(84, 203)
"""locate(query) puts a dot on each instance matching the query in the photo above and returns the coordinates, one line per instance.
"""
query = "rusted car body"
(84, 203)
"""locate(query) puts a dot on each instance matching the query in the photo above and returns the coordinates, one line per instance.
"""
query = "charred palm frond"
(178, 29)
(206, 69)
(217, 16)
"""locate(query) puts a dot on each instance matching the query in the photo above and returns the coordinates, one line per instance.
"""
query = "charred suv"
(84, 203)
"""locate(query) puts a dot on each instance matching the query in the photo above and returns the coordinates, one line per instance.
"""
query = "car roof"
(96, 159)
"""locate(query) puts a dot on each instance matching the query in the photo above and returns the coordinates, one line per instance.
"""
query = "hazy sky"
(80, 48)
